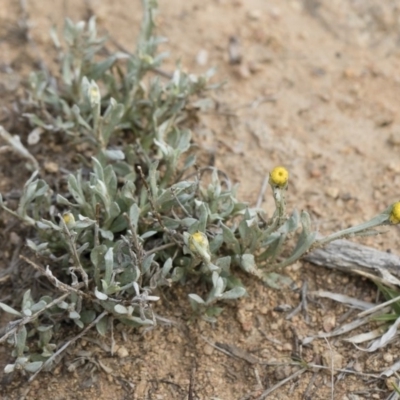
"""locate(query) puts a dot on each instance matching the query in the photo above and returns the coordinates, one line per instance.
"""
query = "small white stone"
(51, 167)
(388, 357)
(34, 136)
(122, 352)
(332, 192)
(254, 15)
(202, 57)
(333, 360)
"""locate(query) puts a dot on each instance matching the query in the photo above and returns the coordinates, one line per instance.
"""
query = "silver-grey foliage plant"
(142, 219)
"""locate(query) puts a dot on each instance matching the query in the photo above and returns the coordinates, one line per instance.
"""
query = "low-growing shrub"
(145, 217)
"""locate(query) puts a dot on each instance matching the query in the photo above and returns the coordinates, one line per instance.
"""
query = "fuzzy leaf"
(166, 268)
(278, 281)
(88, 316)
(109, 265)
(224, 263)
(134, 213)
(114, 155)
(147, 263)
(230, 239)
(33, 366)
(21, 340)
(102, 326)
(120, 309)
(177, 274)
(9, 368)
(196, 298)
(248, 263)
(234, 293)
(100, 295)
(10, 310)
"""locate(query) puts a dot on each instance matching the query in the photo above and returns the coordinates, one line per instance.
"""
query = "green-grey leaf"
(234, 293)
(248, 263)
(100, 295)
(109, 265)
(114, 155)
(196, 298)
(177, 274)
(38, 306)
(277, 281)
(166, 267)
(98, 169)
(88, 316)
(230, 239)
(147, 263)
(9, 368)
(134, 213)
(102, 326)
(120, 309)
(106, 234)
(74, 315)
(148, 234)
(21, 340)
(10, 310)
(62, 200)
(33, 366)
(224, 263)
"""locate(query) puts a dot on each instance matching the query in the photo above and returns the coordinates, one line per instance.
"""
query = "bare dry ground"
(318, 91)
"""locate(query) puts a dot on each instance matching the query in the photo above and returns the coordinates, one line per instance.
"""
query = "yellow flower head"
(279, 176)
(395, 213)
(69, 219)
(199, 246)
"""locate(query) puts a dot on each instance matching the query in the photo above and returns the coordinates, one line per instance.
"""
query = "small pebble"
(333, 360)
(332, 192)
(391, 382)
(287, 347)
(14, 239)
(122, 352)
(328, 323)
(274, 327)
(34, 136)
(208, 350)
(393, 167)
(202, 57)
(242, 71)
(254, 15)
(388, 357)
(394, 139)
(282, 372)
(357, 366)
(51, 167)
(315, 173)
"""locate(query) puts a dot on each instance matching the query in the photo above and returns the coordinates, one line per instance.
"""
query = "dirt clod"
(333, 360)
(122, 352)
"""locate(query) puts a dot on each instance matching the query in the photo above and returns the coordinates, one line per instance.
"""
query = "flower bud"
(279, 177)
(69, 219)
(395, 213)
(94, 94)
(199, 246)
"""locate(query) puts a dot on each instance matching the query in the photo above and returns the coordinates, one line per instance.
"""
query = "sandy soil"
(317, 90)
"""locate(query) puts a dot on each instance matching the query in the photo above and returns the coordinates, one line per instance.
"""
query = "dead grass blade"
(391, 370)
(365, 337)
(338, 331)
(281, 383)
(341, 298)
(386, 338)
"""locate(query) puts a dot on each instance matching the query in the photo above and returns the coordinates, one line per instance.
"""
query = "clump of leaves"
(143, 218)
